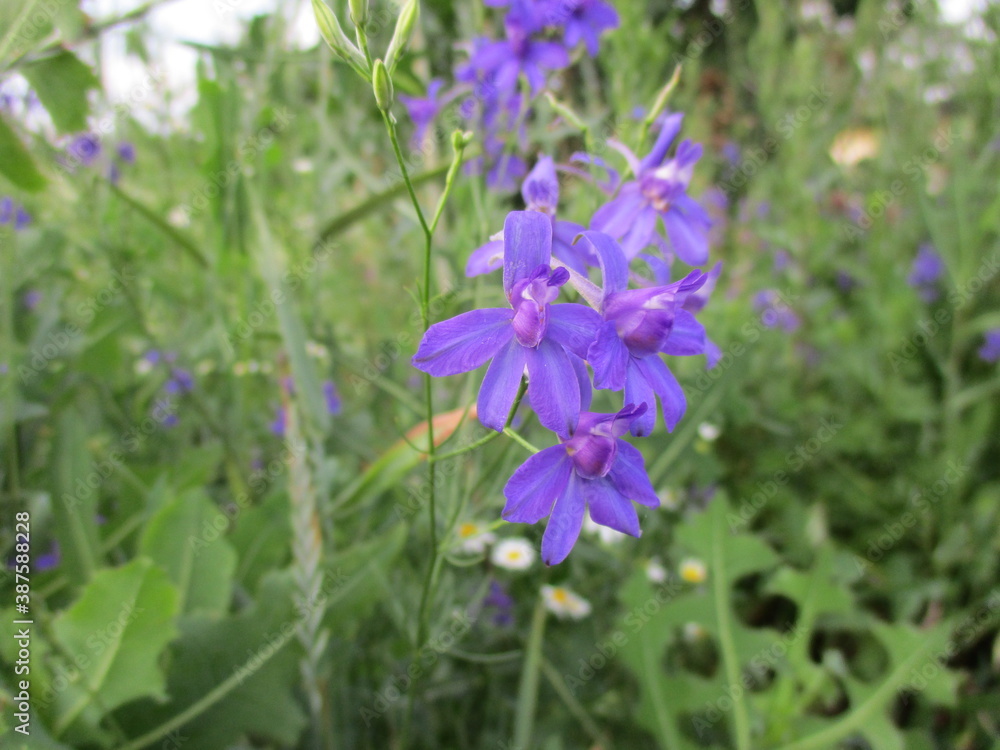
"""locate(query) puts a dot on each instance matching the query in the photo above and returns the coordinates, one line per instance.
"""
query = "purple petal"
(499, 388)
(585, 158)
(527, 244)
(563, 528)
(609, 508)
(688, 235)
(464, 342)
(551, 55)
(574, 326)
(609, 357)
(629, 475)
(616, 216)
(583, 380)
(671, 126)
(577, 256)
(640, 233)
(687, 337)
(536, 485)
(614, 264)
(484, 259)
(665, 385)
(712, 354)
(553, 387)
(638, 390)
(540, 189)
(630, 157)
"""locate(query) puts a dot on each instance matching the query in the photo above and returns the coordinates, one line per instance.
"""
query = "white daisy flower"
(474, 538)
(515, 553)
(708, 432)
(564, 603)
(693, 570)
(606, 534)
(655, 571)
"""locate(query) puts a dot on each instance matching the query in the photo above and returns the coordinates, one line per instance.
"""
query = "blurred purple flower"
(775, 312)
(333, 405)
(423, 110)
(6, 209)
(990, 350)
(181, 381)
(21, 219)
(926, 271)
(278, 425)
(592, 469)
(532, 333)
(126, 152)
(48, 560)
(31, 299)
(658, 192)
(502, 62)
(502, 603)
(85, 148)
(585, 21)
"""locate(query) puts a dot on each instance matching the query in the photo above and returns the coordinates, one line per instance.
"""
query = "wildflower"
(502, 603)
(669, 499)
(515, 553)
(990, 350)
(593, 470)
(11, 212)
(655, 571)
(31, 299)
(503, 62)
(126, 152)
(775, 313)
(532, 334)
(708, 432)
(424, 110)
(474, 537)
(48, 560)
(585, 21)
(638, 325)
(659, 191)
(540, 191)
(564, 603)
(85, 148)
(331, 397)
(926, 271)
(180, 381)
(278, 426)
(693, 570)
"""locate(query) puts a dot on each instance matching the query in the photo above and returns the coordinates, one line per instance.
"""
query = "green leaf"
(16, 163)
(77, 486)
(254, 647)
(61, 82)
(183, 540)
(122, 621)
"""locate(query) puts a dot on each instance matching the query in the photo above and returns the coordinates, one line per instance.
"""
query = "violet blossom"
(532, 334)
(990, 350)
(593, 470)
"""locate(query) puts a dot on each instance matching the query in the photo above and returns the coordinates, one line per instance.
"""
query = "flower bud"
(382, 85)
(460, 139)
(359, 12)
(405, 24)
(334, 36)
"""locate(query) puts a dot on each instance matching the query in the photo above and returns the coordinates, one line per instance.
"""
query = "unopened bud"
(334, 36)
(664, 96)
(382, 85)
(405, 25)
(460, 139)
(359, 12)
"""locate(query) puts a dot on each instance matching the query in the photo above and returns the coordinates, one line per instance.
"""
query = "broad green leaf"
(256, 651)
(122, 621)
(62, 82)
(183, 538)
(16, 164)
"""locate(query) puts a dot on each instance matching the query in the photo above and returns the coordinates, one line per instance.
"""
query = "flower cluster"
(567, 349)
(501, 77)
(14, 214)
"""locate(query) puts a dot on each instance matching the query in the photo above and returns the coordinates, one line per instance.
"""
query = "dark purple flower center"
(531, 298)
(643, 318)
(593, 451)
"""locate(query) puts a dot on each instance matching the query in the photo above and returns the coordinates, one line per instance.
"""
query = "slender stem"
(520, 440)
(527, 693)
(493, 435)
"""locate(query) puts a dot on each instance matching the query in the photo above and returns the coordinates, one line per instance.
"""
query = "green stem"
(730, 658)
(493, 435)
(213, 697)
(527, 693)
(520, 440)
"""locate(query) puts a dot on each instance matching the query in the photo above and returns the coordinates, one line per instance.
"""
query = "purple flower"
(423, 111)
(277, 427)
(639, 324)
(10, 211)
(6, 209)
(85, 148)
(126, 152)
(585, 21)
(990, 350)
(659, 191)
(48, 560)
(21, 219)
(31, 299)
(332, 397)
(501, 63)
(540, 191)
(502, 603)
(181, 381)
(592, 469)
(153, 356)
(925, 273)
(533, 333)
(775, 312)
